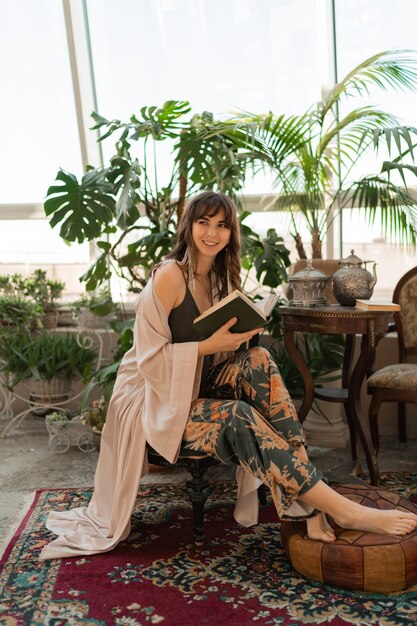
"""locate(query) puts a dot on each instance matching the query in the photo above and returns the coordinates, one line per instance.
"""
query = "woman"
(174, 386)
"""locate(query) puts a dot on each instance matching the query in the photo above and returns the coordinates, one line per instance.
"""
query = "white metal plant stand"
(86, 337)
(66, 433)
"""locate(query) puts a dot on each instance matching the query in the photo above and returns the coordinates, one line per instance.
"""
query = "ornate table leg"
(301, 365)
(347, 366)
(362, 365)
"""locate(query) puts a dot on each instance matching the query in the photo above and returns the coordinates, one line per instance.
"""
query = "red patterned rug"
(239, 577)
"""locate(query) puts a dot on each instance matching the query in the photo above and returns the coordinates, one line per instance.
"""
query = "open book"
(250, 314)
(377, 305)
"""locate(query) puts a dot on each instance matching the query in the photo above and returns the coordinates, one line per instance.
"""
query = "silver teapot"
(352, 281)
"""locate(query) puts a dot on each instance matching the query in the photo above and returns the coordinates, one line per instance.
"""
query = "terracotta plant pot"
(50, 319)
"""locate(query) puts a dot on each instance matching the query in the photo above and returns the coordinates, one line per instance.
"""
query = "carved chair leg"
(198, 491)
(262, 495)
(373, 417)
(402, 425)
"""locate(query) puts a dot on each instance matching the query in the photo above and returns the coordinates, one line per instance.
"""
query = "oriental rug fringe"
(158, 576)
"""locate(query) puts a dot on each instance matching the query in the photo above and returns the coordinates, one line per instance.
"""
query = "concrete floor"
(27, 464)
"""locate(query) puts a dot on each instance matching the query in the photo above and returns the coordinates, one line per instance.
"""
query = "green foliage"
(312, 156)
(60, 417)
(44, 356)
(125, 201)
(105, 377)
(101, 303)
(323, 355)
(269, 256)
(43, 290)
(24, 300)
(83, 209)
(12, 285)
(95, 414)
(18, 313)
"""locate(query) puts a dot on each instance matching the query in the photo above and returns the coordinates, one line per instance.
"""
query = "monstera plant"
(124, 206)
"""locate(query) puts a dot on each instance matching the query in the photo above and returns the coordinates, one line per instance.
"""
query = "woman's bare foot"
(319, 528)
(349, 514)
(392, 522)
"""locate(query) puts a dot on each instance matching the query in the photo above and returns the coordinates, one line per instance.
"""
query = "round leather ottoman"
(357, 560)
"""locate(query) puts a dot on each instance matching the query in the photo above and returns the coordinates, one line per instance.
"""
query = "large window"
(364, 28)
(38, 122)
(221, 55)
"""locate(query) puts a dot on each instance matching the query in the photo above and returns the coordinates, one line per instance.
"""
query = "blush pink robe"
(156, 382)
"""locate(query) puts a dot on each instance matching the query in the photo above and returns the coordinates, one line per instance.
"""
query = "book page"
(267, 304)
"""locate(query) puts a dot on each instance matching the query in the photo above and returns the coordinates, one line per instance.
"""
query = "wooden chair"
(398, 382)
(198, 489)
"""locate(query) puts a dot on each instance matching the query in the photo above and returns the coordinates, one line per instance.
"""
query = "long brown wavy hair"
(225, 272)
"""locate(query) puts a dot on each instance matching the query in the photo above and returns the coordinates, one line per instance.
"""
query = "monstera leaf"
(83, 209)
(271, 264)
(126, 177)
(157, 122)
(100, 271)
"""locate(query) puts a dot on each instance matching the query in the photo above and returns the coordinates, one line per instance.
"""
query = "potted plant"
(45, 292)
(46, 362)
(94, 417)
(16, 311)
(94, 310)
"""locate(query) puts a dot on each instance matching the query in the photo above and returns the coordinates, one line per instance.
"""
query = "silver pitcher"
(352, 281)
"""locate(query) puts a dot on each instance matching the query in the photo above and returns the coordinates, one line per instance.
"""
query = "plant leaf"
(83, 209)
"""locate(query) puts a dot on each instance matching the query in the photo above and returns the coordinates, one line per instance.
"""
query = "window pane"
(221, 55)
(26, 245)
(369, 243)
(33, 241)
(38, 124)
(365, 28)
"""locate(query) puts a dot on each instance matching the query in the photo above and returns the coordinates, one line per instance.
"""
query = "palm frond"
(398, 207)
(355, 125)
(403, 137)
(395, 69)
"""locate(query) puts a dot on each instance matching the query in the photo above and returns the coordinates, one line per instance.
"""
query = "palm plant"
(312, 156)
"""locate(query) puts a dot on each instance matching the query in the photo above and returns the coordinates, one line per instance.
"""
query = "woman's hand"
(225, 341)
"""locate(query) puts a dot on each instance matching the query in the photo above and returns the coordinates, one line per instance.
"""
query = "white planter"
(47, 392)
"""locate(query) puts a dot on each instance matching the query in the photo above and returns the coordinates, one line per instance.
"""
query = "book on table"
(377, 304)
(250, 314)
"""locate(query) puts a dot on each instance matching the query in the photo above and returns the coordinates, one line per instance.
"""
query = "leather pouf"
(357, 560)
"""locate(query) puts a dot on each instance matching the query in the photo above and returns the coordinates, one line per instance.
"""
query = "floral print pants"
(248, 418)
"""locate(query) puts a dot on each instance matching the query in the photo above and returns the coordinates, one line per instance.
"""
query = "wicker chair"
(398, 382)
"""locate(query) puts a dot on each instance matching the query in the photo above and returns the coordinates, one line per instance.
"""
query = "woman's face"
(211, 234)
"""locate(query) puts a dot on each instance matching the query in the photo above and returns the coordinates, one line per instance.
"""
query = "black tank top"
(180, 322)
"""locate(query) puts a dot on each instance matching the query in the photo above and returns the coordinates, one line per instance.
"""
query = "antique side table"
(350, 321)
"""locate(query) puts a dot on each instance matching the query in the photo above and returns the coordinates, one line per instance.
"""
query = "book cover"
(376, 304)
(250, 314)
